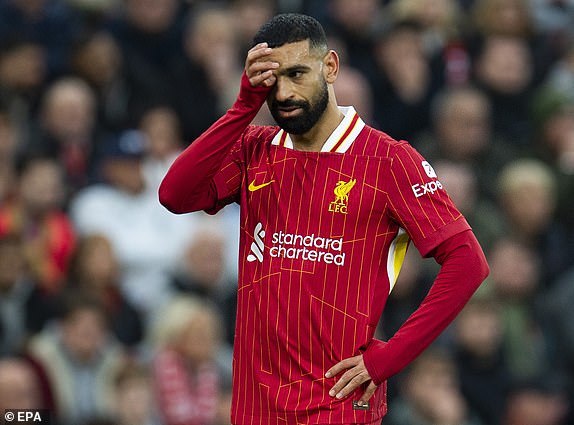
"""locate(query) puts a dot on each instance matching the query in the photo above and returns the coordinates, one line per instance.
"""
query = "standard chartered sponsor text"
(307, 248)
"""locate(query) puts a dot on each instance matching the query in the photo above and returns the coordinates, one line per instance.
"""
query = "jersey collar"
(340, 139)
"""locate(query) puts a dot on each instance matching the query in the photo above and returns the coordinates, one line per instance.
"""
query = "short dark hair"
(290, 28)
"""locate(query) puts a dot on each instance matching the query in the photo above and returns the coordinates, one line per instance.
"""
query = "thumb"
(371, 388)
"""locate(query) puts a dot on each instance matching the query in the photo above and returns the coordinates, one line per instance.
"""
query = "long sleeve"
(189, 183)
(463, 269)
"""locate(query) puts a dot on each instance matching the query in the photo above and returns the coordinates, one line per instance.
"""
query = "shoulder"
(377, 143)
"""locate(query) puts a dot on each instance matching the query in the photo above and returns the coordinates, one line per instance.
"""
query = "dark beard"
(311, 114)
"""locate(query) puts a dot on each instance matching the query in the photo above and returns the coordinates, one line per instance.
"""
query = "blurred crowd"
(114, 311)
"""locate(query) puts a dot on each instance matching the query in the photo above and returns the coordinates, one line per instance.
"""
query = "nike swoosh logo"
(253, 187)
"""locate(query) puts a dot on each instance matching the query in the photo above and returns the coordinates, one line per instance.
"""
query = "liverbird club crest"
(341, 192)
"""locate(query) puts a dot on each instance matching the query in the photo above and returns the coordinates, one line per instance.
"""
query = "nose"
(283, 89)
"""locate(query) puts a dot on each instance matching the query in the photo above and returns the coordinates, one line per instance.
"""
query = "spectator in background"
(462, 133)
(503, 69)
(149, 33)
(79, 357)
(553, 142)
(513, 19)
(36, 215)
(402, 88)
(356, 24)
(561, 75)
(24, 308)
(147, 240)
(134, 402)
(97, 59)
(515, 282)
(478, 345)
(19, 385)
(211, 42)
(162, 131)
(531, 182)
(49, 23)
(22, 76)
(207, 31)
(555, 307)
(249, 15)
(95, 270)
(9, 137)
(535, 403)
(461, 181)
(440, 24)
(353, 88)
(203, 273)
(430, 394)
(189, 376)
(68, 131)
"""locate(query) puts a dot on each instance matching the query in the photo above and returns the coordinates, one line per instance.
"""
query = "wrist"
(251, 96)
(372, 357)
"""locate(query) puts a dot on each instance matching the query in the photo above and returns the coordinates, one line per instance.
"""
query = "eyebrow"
(295, 68)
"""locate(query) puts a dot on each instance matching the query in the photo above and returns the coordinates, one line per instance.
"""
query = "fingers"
(371, 388)
(356, 375)
(258, 67)
(343, 365)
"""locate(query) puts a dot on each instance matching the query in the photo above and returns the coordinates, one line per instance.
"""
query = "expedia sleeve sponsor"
(424, 188)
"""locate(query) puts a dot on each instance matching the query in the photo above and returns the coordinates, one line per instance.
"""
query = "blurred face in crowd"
(99, 59)
(250, 16)
(151, 16)
(205, 257)
(161, 129)
(96, 265)
(23, 67)
(503, 17)
(134, 401)
(204, 327)
(18, 386)
(125, 173)
(432, 388)
(533, 407)
(41, 187)
(11, 262)
(84, 333)
(356, 15)
(410, 75)
(505, 64)
(479, 329)
(69, 110)
(300, 96)
(514, 270)
(352, 88)
(460, 182)
(463, 124)
(541, 203)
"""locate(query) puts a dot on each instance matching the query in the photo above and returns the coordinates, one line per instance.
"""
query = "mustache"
(291, 103)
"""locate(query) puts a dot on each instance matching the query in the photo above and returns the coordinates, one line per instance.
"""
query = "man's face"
(300, 95)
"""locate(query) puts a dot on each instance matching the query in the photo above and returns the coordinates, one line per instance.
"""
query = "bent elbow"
(484, 267)
(169, 199)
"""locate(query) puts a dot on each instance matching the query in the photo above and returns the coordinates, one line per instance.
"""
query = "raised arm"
(189, 183)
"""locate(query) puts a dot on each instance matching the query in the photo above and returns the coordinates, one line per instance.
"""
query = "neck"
(314, 139)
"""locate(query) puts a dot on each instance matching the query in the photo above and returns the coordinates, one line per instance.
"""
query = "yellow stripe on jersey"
(396, 256)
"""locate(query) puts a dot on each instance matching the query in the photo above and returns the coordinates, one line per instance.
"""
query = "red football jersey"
(323, 237)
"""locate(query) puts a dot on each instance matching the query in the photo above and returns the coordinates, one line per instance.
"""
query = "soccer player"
(328, 207)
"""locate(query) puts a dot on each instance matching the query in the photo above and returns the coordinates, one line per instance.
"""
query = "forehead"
(290, 54)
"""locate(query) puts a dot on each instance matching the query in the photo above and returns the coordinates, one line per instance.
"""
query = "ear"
(331, 66)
